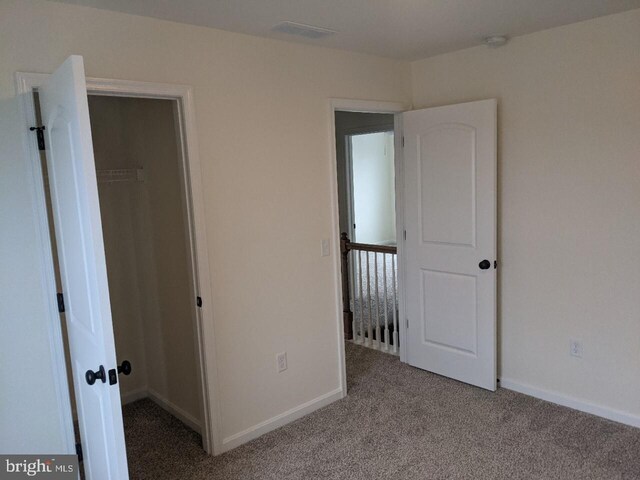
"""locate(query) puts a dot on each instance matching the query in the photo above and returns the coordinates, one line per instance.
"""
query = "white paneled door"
(450, 249)
(76, 212)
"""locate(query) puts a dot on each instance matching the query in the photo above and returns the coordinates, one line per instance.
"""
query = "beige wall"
(263, 120)
(569, 179)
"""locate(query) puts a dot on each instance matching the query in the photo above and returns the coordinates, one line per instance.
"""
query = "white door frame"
(26, 84)
(364, 106)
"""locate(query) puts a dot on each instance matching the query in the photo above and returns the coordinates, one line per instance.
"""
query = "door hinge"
(407, 322)
(405, 234)
(403, 141)
(60, 298)
(39, 135)
(79, 451)
(495, 264)
(199, 301)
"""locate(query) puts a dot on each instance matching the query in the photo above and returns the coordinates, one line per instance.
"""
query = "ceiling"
(403, 29)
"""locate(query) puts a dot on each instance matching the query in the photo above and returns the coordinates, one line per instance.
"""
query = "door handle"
(125, 367)
(484, 265)
(92, 376)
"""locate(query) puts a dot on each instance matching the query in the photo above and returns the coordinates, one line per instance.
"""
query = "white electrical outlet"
(575, 348)
(282, 361)
(325, 247)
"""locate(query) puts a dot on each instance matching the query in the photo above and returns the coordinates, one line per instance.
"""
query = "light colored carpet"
(398, 422)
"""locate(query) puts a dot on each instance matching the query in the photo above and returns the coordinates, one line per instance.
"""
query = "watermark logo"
(51, 467)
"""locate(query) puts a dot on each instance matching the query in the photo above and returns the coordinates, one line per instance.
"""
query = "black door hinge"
(79, 451)
(40, 136)
(60, 298)
(403, 142)
(199, 301)
(495, 264)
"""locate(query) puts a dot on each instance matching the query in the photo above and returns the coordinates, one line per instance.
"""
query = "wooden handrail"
(345, 247)
(370, 247)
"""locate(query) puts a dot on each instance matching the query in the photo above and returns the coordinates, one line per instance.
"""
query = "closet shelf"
(117, 175)
(120, 175)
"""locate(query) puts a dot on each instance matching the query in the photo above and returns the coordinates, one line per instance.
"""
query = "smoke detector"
(302, 30)
(496, 41)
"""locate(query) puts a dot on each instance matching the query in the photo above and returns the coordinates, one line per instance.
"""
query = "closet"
(146, 237)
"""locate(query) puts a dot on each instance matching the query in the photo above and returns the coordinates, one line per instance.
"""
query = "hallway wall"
(345, 124)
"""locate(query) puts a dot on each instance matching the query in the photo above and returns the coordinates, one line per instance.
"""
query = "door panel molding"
(450, 194)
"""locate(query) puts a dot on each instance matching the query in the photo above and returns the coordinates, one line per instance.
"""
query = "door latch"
(113, 376)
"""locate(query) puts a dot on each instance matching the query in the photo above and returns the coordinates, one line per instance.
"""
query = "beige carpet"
(398, 422)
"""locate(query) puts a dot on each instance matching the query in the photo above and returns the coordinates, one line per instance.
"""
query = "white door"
(450, 248)
(76, 213)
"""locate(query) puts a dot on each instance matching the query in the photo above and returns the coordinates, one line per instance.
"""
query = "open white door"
(76, 213)
(450, 249)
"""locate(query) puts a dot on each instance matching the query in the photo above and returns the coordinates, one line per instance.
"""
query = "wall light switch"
(325, 247)
(575, 348)
(282, 361)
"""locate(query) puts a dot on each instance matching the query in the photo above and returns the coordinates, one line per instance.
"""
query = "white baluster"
(352, 295)
(369, 340)
(395, 305)
(361, 306)
(386, 314)
(375, 271)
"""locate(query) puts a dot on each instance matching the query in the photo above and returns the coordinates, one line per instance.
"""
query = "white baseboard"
(133, 395)
(174, 410)
(162, 402)
(261, 428)
(571, 402)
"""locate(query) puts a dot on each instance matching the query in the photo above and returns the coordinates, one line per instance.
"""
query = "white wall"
(263, 119)
(29, 401)
(373, 177)
(569, 196)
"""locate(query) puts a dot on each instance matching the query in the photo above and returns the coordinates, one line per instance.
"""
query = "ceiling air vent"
(302, 30)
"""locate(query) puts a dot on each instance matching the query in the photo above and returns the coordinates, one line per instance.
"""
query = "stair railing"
(369, 294)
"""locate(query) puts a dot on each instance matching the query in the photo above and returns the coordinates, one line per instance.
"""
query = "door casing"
(191, 186)
(364, 106)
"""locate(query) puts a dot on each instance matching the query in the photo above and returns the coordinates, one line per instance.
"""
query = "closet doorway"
(145, 209)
